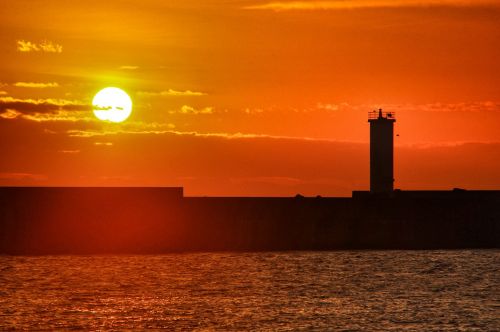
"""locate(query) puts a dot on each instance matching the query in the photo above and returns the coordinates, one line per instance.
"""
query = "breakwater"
(44, 220)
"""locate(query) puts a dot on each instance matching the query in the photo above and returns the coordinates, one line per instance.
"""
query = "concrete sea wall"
(156, 220)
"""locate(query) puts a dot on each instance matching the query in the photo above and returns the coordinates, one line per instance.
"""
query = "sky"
(250, 98)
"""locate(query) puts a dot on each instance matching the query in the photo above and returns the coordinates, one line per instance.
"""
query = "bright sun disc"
(112, 104)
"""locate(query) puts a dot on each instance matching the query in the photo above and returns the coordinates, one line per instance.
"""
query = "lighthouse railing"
(374, 115)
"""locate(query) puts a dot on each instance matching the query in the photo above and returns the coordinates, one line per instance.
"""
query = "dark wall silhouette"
(155, 220)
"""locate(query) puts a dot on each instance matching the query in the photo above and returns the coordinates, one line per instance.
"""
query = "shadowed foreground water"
(385, 290)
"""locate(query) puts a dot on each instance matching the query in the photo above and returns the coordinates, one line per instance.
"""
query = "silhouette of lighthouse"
(381, 151)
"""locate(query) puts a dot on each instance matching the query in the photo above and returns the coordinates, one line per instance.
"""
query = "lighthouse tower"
(381, 151)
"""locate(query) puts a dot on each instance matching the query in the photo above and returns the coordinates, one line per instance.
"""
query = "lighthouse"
(381, 151)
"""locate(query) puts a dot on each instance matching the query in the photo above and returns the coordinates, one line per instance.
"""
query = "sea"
(456, 290)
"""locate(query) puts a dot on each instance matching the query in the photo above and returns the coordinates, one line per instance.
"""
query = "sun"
(112, 104)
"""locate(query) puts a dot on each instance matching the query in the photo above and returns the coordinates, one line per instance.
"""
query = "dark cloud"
(31, 106)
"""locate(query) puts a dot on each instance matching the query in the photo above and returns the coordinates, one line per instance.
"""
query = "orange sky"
(250, 97)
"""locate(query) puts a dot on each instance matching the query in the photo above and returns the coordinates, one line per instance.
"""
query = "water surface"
(345, 290)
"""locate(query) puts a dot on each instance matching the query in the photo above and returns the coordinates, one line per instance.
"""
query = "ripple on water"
(385, 290)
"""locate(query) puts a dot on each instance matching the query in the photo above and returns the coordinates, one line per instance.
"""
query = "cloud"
(96, 133)
(485, 106)
(129, 67)
(480, 106)
(23, 176)
(41, 105)
(36, 85)
(43, 110)
(159, 129)
(65, 116)
(10, 114)
(3, 93)
(328, 107)
(45, 46)
(69, 151)
(360, 4)
(253, 110)
(185, 109)
(171, 92)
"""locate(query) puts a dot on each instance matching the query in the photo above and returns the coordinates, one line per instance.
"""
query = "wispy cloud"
(3, 93)
(480, 106)
(36, 85)
(484, 106)
(186, 109)
(69, 151)
(129, 67)
(45, 46)
(328, 107)
(159, 131)
(40, 105)
(22, 176)
(63, 116)
(359, 4)
(10, 114)
(171, 92)
(42, 110)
